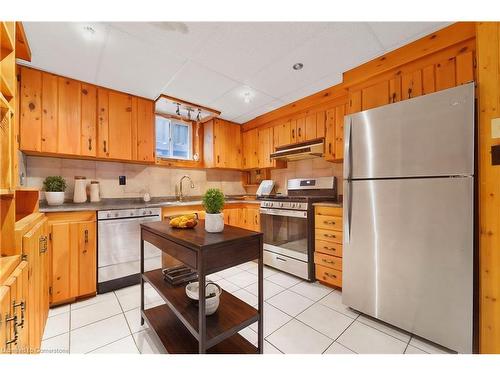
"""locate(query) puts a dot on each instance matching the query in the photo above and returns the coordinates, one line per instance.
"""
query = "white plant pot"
(214, 223)
(54, 198)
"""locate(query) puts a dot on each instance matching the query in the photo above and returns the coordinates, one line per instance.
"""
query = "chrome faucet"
(181, 196)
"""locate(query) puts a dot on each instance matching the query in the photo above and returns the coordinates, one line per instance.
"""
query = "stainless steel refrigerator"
(409, 215)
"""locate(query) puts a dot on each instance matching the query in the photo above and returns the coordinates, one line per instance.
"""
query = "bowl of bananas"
(185, 221)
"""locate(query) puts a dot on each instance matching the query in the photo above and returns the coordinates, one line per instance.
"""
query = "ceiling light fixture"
(247, 97)
(297, 66)
(89, 32)
(198, 116)
(189, 112)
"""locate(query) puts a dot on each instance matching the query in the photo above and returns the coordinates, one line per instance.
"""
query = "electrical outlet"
(122, 180)
(495, 128)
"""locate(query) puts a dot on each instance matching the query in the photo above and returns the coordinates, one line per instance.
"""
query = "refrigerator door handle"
(348, 151)
(347, 210)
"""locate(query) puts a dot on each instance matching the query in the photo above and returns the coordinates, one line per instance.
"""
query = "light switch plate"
(495, 127)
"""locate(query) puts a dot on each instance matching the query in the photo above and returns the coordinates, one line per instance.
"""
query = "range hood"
(299, 151)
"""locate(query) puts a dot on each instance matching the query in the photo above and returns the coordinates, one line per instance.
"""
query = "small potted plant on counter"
(213, 202)
(54, 187)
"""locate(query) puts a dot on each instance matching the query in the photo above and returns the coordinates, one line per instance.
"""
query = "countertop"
(126, 203)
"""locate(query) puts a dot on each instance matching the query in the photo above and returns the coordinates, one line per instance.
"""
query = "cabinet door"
(265, 139)
(330, 135)
(87, 257)
(31, 110)
(103, 123)
(35, 247)
(339, 132)
(293, 131)
(411, 84)
(310, 127)
(120, 126)
(68, 116)
(49, 112)
(445, 74)
(375, 95)
(320, 124)
(354, 101)
(233, 147)
(145, 130)
(61, 255)
(220, 139)
(4, 312)
(89, 120)
(301, 131)
(252, 218)
(282, 134)
(250, 149)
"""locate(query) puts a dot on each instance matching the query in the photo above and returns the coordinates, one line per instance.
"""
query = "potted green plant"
(213, 202)
(54, 187)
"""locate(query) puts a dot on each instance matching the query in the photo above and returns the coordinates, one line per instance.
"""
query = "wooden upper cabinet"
(222, 144)
(145, 130)
(31, 110)
(354, 102)
(293, 131)
(375, 95)
(69, 116)
(340, 112)
(329, 154)
(300, 130)
(411, 84)
(320, 124)
(89, 120)
(282, 134)
(265, 147)
(49, 113)
(310, 127)
(120, 124)
(102, 123)
(250, 158)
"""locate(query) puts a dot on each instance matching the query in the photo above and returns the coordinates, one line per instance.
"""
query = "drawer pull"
(329, 248)
(329, 222)
(328, 261)
(329, 235)
(283, 260)
(330, 275)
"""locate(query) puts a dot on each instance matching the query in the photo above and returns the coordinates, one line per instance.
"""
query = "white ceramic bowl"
(211, 303)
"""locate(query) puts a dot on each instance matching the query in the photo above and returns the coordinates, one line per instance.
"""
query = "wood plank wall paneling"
(488, 56)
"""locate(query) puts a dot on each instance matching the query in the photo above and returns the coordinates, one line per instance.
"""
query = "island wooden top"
(198, 238)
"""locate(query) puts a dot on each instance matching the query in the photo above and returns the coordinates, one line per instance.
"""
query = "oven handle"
(288, 213)
(125, 220)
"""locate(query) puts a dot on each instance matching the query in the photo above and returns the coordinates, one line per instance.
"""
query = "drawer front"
(328, 211)
(327, 247)
(328, 261)
(329, 235)
(329, 276)
(328, 222)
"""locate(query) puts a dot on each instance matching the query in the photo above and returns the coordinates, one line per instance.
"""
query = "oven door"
(285, 232)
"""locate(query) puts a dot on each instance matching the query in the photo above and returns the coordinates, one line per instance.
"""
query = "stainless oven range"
(287, 222)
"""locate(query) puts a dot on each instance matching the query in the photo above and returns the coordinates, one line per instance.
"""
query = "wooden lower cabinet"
(328, 245)
(72, 255)
(24, 290)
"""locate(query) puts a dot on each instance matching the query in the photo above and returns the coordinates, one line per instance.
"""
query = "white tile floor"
(299, 317)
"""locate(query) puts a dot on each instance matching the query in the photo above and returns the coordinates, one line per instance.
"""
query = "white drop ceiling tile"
(240, 119)
(330, 52)
(240, 49)
(198, 84)
(182, 38)
(128, 64)
(321, 84)
(65, 48)
(232, 103)
(395, 34)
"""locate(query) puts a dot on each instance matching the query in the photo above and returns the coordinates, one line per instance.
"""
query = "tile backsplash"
(158, 181)
(307, 168)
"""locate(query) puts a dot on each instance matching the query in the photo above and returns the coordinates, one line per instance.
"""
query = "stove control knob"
(150, 212)
(293, 205)
(108, 215)
(144, 212)
(132, 213)
(281, 204)
(116, 214)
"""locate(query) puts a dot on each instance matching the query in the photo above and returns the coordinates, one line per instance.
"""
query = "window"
(173, 139)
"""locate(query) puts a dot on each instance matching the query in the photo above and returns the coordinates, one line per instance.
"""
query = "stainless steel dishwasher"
(118, 252)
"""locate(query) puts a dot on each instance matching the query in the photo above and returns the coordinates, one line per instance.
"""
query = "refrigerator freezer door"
(409, 258)
(431, 135)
